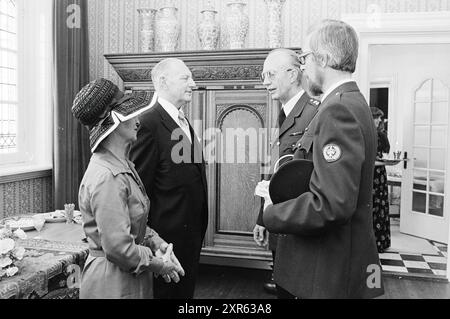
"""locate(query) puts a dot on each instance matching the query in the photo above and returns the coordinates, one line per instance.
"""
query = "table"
(51, 266)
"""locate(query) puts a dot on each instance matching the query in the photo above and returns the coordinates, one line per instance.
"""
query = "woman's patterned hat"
(92, 101)
(96, 107)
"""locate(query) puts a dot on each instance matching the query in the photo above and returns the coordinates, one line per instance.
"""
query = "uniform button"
(306, 129)
(278, 144)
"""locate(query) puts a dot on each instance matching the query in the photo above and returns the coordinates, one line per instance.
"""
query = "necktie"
(182, 119)
(184, 123)
(281, 117)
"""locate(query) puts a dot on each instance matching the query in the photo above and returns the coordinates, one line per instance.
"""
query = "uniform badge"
(332, 153)
(314, 102)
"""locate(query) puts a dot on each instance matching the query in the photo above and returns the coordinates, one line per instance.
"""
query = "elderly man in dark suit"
(328, 247)
(169, 160)
(282, 78)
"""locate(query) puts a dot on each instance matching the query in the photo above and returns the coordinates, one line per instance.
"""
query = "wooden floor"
(216, 282)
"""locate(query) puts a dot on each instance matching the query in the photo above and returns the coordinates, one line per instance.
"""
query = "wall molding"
(208, 67)
(26, 176)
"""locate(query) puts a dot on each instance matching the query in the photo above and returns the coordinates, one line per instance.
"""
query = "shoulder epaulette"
(314, 102)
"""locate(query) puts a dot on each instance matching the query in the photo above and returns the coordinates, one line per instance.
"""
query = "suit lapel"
(169, 122)
(296, 112)
(198, 157)
(198, 154)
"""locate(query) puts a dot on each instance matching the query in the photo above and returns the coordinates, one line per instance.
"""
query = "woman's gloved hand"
(172, 269)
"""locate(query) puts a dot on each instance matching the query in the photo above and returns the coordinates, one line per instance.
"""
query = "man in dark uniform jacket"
(282, 77)
(169, 160)
(328, 248)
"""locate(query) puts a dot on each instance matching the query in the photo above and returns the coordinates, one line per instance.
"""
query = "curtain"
(70, 73)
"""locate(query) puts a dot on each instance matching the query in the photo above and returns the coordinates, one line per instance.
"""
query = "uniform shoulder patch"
(332, 153)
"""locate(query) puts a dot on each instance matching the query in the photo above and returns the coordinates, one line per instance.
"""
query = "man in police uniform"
(328, 248)
(282, 77)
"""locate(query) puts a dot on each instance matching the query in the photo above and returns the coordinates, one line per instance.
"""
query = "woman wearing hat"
(123, 251)
(381, 222)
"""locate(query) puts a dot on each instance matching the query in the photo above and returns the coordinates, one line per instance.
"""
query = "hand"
(172, 269)
(260, 235)
(267, 202)
(262, 189)
(169, 271)
(165, 248)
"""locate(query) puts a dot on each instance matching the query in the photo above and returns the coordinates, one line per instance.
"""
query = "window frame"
(14, 157)
(34, 108)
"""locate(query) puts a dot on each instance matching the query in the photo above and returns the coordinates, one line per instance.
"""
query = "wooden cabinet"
(232, 115)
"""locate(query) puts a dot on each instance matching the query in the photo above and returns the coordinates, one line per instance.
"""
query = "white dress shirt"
(173, 112)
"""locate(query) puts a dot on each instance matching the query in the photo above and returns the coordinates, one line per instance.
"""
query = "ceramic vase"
(208, 30)
(147, 30)
(167, 29)
(236, 24)
(275, 30)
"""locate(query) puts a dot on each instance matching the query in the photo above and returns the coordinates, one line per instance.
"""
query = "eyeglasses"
(271, 75)
(302, 57)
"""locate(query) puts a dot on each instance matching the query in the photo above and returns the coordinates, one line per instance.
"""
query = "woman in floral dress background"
(381, 222)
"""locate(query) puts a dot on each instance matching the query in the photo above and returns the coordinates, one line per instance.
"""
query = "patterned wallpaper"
(113, 24)
(26, 197)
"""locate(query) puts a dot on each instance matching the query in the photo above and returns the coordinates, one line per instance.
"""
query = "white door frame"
(397, 28)
(391, 84)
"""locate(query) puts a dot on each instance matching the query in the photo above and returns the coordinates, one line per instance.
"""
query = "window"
(25, 86)
(8, 76)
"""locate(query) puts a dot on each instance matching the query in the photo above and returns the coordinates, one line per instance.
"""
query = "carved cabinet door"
(236, 134)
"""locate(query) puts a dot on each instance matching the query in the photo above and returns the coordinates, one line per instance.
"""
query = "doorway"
(379, 97)
(409, 49)
(420, 101)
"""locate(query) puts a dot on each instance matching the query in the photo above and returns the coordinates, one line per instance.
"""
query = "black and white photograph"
(224, 154)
